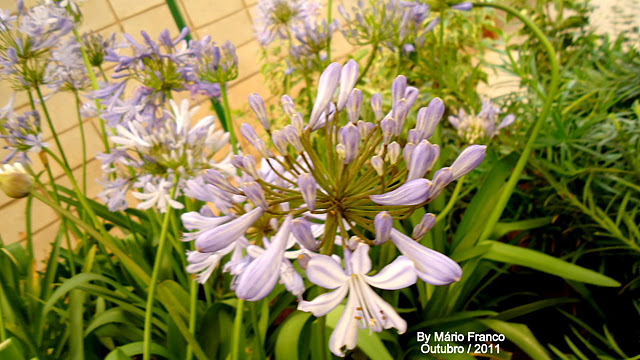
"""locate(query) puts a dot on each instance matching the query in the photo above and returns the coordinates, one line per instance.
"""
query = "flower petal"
(360, 262)
(324, 303)
(397, 275)
(324, 271)
(346, 330)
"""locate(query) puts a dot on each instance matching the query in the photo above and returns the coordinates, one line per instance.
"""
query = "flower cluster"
(26, 41)
(309, 51)
(281, 18)
(22, 133)
(162, 68)
(158, 160)
(481, 127)
(339, 181)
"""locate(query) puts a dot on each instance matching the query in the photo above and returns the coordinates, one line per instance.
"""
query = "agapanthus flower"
(96, 46)
(15, 182)
(66, 69)
(364, 308)
(372, 21)
(280, 18)
(152, 160)
(26, 42)
(483, 126)
(22, 133)
(325, 195)
(212, 65)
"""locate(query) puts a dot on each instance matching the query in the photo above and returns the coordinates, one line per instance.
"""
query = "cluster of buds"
(22, 133)
(337, 185)
(482, 127)
(211, 63)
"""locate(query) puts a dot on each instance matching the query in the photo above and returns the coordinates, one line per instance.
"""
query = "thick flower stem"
(227, 119)
(148, 315)
(321, 340)
(237, 325)
(496, 212)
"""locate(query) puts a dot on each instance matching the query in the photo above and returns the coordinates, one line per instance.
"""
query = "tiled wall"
(221, 19)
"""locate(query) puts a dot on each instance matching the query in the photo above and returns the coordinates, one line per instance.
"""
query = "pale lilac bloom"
(483, 126)
(278, 18)
(364, 308)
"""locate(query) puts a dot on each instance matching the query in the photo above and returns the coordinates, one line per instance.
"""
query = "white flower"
(364, 307)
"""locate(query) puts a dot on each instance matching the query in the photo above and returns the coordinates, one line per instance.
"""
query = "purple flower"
(412, 192)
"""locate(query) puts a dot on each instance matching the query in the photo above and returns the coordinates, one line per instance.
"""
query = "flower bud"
(428, 118)
(308, 187)
(376, 106)
(327, 85)
(388, 127)
(348, 78)
(288, 106)
(280, 142)
(383, 224)
(365, 128)
(425, 224)
(14, 181)
(468, 160)
(393, 151)
(398, 89)
(353, 105)
(301, 229)
(293, 137)
(257, 105)
(377, 164)
(255, 193)
(423, 158)
(407, 152)
(350, 138)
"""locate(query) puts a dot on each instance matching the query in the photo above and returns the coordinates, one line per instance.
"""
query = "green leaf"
(369, 343)
(288, 339)
(9, 349)
(136, 348)
(516, 255)
(502, 229)
(520, 335)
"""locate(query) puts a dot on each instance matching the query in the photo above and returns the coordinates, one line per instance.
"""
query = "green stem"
(496, 212)
(84, 143)
(148, 315)
(177, 16)
(372, 55)
(94, 86)
(3, 335)
(237, 324)
(53, 130)
(227, 119)
(321, 324)
(256, 330)
(454, 196)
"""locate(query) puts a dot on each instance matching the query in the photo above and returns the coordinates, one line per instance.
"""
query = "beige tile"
(204, 11)
(152, 21)
(239, 90)
(248, 59)
(62, 108)
(96, 14)
(236, 28)
(126, 8)
(6, 91)
(13, 214)
(94, 173)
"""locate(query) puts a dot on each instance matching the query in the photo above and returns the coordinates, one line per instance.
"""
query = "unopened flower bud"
(350, 138)
(407, 152)
(393, 150)
(308, 187)
(14, 181)
(255, 193)
(365, 128)
(388, 127)
(327, 85)
(383, 224)
(423, 158)
(257, 105)
(303, 261)
(348, 78)
(288, 106)
(425, 224)
(377, 164)
(428, 118)
(353, 105)
(279, 141)
(293, 137)
(301, 229)
(376, 106)
(468, 160)
(398, 89)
